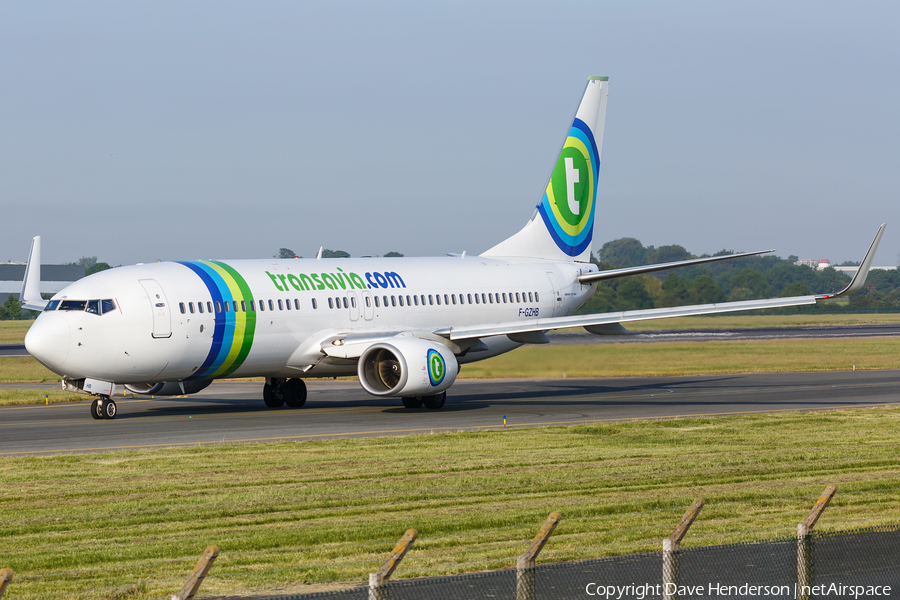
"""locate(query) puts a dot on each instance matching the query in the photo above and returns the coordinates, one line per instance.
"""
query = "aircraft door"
(555, 293)
(354, 306)
(162, 318)
(368, 307)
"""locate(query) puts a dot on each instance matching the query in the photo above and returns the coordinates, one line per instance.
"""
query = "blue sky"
(171, 130)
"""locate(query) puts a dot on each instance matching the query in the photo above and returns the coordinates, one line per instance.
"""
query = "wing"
(517, 328)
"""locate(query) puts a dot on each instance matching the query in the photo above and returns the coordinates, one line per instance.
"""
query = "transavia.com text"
(642, 591)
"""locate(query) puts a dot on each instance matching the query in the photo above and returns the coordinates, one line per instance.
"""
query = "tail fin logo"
(567, 207)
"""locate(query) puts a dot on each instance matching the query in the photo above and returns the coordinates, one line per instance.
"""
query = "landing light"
(337, 343)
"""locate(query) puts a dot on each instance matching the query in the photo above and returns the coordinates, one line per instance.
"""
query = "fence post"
(671, 545)
(198, 574)
(525, 589)
(804, 544)
(378, 588)
(6, 576)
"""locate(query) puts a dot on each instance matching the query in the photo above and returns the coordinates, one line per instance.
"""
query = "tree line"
(748, 278)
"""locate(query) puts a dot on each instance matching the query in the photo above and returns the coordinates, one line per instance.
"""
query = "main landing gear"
(103, 407)
(433, 402)
(278, 392)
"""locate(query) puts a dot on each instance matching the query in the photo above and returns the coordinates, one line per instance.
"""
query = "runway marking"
(446, 429)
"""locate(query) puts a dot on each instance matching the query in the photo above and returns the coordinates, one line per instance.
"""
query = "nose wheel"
(103, 408)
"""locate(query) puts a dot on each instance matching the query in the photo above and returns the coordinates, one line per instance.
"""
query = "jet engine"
(407, 367)
(167, 388)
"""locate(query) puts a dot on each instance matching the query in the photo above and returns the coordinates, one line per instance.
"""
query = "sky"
(138, 132)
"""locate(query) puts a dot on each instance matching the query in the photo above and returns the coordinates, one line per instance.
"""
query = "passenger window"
(345, 302)
(453, 297)
(469, 298)
(439, 299)
(394, 301)
(369, 302)
(423, 299)
(353, 301)
(280, 304)
(107, 306)
(262, 305)
(330, 302)
(235, 305)
(287, 304)
(401, 300)
(530, 297)
(462, 299)
(385, 301)
(517, 297)
(200, 307)
(226, 306)
(271, 305)
(96, 308)
(476, 299)
(376, 302)
(430, 300)
(536, 297)
(504, 297)
(218, 306)
(314, 304)
(491, 298)
(296, 303)
(243, 306)
(408, 303)
(191, 307)
(93, 307)
(416, 299)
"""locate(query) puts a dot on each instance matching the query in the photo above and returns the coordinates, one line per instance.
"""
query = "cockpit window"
(107, 306)
(93, 307)
(72, 304)
(52, 305)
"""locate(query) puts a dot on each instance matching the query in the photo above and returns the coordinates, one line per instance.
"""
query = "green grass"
(13, 332)
(288, 513)
(15, 396)
(24, 369)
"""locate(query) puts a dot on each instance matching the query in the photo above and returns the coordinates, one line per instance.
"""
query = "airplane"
(403, 326)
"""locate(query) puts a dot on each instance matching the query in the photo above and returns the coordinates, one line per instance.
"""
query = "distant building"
(824, 263)
(53, 278)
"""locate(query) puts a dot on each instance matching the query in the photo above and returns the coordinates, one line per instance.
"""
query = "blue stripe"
(219, 329)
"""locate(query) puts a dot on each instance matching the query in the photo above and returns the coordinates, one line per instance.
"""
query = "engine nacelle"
(168, 388)
(407, 367)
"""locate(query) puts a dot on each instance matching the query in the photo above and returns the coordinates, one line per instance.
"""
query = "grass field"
(132, 524)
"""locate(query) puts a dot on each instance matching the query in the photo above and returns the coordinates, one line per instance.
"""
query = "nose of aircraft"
(48, 340)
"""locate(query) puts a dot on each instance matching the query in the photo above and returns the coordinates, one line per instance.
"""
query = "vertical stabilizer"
(562, 227)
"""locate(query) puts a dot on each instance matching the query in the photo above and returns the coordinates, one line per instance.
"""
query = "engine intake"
(407, 367)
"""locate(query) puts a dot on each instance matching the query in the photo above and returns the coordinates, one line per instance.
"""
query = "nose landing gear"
(103, 407)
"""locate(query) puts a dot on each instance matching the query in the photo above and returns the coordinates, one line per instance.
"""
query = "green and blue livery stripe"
(572, 232)
(233, 331)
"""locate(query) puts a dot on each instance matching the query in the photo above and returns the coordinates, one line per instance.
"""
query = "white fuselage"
(154, 330)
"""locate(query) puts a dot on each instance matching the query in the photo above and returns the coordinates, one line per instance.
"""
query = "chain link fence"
(862, 563)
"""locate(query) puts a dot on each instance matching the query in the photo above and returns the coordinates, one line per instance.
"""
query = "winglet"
(859, 280)
(31, 285)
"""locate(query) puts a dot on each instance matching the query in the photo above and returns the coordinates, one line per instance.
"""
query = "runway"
(233, 411)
